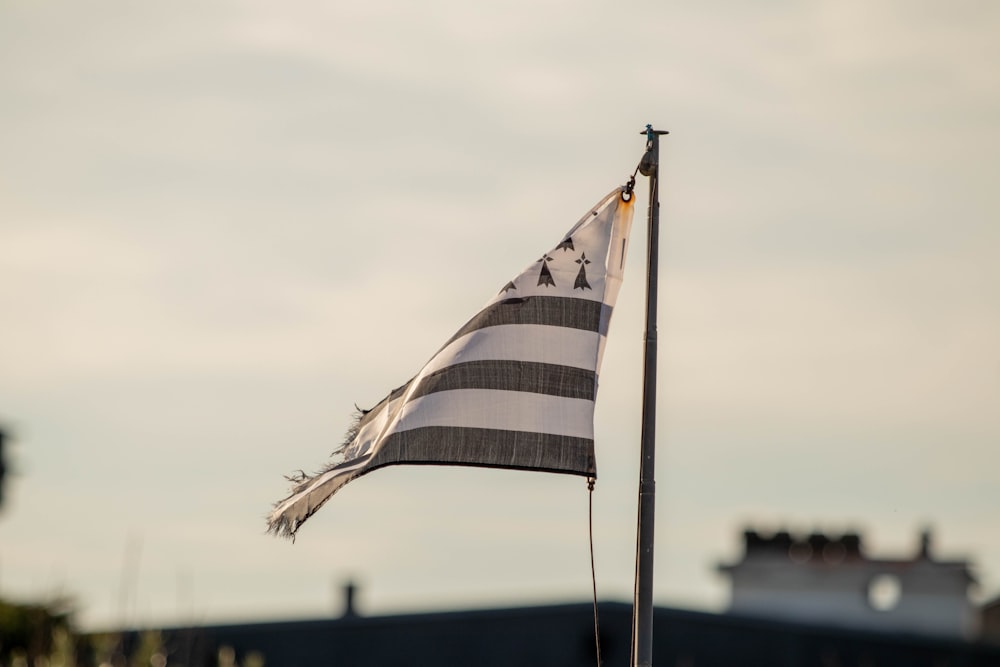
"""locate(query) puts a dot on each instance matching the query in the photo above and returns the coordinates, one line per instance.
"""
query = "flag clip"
(627, 190)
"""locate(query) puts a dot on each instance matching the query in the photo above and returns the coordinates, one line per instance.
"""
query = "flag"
(513, 388)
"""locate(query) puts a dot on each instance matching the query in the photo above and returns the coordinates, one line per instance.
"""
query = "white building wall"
(932, 596)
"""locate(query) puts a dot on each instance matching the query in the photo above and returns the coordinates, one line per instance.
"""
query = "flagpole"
(642, 609)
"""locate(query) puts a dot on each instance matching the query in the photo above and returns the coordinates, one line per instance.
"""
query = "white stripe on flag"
(522, 342)
(504, 410)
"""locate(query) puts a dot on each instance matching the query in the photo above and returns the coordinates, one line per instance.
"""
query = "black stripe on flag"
(554, 311)
(488, 448)
(505, 375)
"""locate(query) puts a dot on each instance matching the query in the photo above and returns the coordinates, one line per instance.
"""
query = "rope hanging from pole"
(593, 571)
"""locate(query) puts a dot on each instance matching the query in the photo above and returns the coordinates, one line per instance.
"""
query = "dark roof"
(557, 635)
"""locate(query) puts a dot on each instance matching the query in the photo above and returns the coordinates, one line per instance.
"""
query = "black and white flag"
(513, 388)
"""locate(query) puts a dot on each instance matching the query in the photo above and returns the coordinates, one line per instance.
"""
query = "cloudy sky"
(223, 223)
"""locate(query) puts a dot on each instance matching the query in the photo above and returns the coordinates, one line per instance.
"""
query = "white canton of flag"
(514, 388)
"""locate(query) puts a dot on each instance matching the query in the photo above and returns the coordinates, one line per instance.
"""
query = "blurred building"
(990, 622)
(549, 636)
(816, 601)
(830, 580)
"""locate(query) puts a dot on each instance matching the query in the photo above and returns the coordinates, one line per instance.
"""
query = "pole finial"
(651, 158)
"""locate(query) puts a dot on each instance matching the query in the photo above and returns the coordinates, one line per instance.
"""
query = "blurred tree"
(36, 632)
(149, 652)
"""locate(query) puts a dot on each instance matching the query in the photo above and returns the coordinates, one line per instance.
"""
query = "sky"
(223, 224)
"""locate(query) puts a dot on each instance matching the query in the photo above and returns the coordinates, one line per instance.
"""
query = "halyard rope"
(593, 572)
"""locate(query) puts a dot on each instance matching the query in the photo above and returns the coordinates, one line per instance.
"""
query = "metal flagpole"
(642, 609)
